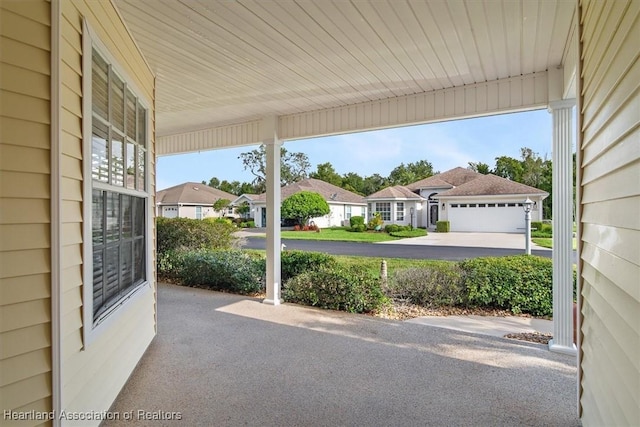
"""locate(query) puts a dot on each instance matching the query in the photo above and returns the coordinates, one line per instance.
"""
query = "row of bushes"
(522, 284)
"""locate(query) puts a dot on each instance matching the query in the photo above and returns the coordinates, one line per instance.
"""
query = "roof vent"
(196, 188)
(333, 196)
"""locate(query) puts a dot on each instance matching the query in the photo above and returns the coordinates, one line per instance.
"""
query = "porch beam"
(274, 242)
(562, 211)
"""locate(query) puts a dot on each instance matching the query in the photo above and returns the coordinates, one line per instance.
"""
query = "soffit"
(224, 62)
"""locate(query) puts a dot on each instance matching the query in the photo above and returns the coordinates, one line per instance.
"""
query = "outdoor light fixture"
(411, 211)
(444, 205)
(527, 205)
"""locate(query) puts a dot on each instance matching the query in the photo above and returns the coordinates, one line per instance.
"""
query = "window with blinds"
(400, 211)
(118, 187)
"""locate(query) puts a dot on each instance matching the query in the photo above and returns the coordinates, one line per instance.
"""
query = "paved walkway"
(225, 360)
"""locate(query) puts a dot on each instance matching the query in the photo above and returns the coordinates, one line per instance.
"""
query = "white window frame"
(399, 212)
(383, 212)
(92, 329)
(347, 212)
(198, 212)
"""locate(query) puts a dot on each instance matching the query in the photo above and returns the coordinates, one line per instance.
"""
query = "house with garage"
(488, 203)
(193, 200)
(470, 201)
(343, 204)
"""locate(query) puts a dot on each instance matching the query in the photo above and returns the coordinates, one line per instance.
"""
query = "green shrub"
(356, 220)
(376, 221)
(521, 283)
(536, 225)
(437, 285)
(545, 234)
(390, 228)
(443, 226)
(247, 224)
(297, 262)
(358, 228)
(416, 232)
(228, 270)
(170, 263)
(338, 288)
(192, 234)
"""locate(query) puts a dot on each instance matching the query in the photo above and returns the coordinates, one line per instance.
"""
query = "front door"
(433, 214)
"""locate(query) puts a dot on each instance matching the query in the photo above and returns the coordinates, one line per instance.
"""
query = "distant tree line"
(530, 169)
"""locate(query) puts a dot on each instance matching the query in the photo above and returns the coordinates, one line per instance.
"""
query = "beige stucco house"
(91, 91)
(193, 200)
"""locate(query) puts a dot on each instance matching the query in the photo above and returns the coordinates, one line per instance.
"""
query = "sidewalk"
(487, 325)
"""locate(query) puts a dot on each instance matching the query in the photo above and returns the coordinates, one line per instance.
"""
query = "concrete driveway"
(469, 240)
(225, 360)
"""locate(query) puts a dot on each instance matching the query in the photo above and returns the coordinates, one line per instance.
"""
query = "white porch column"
(562, 211)
(272, 144)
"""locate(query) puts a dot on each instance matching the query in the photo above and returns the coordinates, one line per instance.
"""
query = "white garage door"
(169, 212)
(486, 217)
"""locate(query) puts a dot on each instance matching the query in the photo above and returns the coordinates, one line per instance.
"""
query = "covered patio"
(222, 359)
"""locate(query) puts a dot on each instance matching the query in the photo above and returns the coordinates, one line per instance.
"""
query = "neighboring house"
(343, 204)
(249, 200)
(470, 201)
(192, 200)
(396, 205)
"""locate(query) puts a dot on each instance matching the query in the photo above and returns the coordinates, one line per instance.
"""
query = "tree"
(213, 182)
(508, 167)
(412, 172)
(326, 173)
(373, 183)
(243, 210)
(479, 167)
(293, 166)
(220, 205)
(303, 206)
(352, 182)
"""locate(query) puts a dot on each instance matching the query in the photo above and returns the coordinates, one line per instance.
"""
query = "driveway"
(227, 360)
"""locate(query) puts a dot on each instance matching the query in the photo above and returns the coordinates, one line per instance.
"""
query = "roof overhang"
(228, 70)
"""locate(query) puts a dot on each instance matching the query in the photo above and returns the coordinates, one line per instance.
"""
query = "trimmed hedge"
(193, 234)
(438, 285)
(234, 271)
(338, 288)
(443, 226)
(521, 283)
(297, 262)
(416, 232)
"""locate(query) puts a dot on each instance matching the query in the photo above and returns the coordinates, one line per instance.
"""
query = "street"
(452, 253)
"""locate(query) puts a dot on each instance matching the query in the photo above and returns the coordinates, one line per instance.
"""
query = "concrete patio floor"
(227, 360)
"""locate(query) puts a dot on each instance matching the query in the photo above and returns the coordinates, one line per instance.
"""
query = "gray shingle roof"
(192, 193)
(486, 185)
(395, 192)
(451, 178)
(330, 192)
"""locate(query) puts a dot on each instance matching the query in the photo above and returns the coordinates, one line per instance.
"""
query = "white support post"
(272, 145)
(562, 211)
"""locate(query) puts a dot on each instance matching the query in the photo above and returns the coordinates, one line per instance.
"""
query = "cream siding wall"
(25, 242)
(609, 206)
(93, 373)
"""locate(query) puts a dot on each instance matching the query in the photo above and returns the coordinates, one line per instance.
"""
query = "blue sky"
(446, 145)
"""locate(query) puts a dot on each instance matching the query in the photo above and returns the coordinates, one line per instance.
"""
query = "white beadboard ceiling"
(221, 62)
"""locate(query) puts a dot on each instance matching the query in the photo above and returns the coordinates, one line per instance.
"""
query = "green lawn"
(373, 264)
(546, 242)
(340, 235)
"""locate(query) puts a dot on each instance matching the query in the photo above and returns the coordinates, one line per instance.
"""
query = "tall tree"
(293, 166)
(353, 182)
(373, 183)
(412, 172)
(326, 173)
(480, 167)
(213, 182)
(508, 167)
